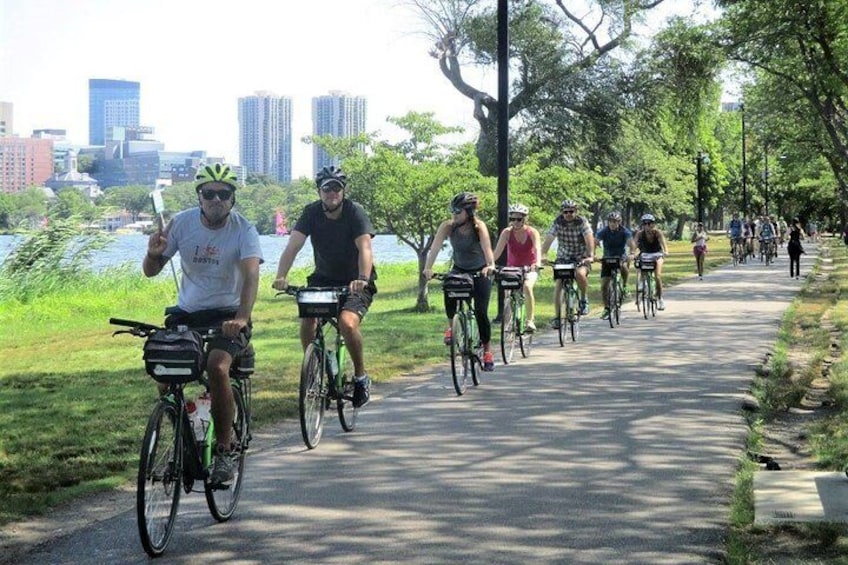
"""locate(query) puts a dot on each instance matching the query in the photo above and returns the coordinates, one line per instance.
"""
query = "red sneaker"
(448, 336)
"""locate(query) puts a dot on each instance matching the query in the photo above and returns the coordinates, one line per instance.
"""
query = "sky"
(195, 58)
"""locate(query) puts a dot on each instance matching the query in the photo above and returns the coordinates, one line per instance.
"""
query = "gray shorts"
(357, 303)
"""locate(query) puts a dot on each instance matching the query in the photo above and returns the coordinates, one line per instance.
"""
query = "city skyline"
(191, 76)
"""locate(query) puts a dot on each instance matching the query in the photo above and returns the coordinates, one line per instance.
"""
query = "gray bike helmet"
(330, 175)
(568, 204)
(614, 215)
(648, 218)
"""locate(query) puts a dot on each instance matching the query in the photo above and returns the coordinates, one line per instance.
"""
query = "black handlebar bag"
(173, 357)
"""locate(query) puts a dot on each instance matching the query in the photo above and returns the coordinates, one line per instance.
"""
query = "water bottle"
(196, 426)
(204, 411)
(332, 363)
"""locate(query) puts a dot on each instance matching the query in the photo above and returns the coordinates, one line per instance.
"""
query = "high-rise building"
(24, 163)
(338, 114)
(111, 103)
(265, 135)
(6, 124)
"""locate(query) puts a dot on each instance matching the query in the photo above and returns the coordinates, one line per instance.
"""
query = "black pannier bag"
(172, 356)
(245, 362)
(510, 277)
(458, 285)
(564, 270)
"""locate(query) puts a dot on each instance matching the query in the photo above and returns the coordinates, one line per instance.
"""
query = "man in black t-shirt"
(341, 243)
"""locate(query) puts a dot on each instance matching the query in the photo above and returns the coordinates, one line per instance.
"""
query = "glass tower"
(265, 135)
(337, 114)
(111, 103)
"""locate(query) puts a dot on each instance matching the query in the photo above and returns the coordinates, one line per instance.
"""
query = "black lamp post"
(744, 166)
(701, 160)
(503, 131)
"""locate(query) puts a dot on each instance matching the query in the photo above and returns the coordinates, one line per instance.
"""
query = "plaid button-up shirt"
(571, 237)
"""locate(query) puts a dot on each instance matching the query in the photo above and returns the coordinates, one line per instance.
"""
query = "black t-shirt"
(333, 241)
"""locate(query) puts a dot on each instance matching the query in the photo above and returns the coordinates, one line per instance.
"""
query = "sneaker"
(584, 307)
(555, 323)
(448, 336)
(361, 391)
(223, 468)
(488, 361)
(605, 314)
(660, 304)
(531, 326)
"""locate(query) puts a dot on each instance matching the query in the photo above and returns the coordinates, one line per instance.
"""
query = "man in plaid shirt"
(574, 242)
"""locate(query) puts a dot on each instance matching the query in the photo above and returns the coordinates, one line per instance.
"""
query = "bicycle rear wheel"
(223, 499)
(344, 402)
(509, 329)
(159, 479)
(312, 396)
(460, 353)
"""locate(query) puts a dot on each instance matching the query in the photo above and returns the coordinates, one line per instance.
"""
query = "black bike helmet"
(464, 201)
(330, 175)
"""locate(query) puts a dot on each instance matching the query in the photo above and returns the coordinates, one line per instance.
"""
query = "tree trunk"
(423, 302)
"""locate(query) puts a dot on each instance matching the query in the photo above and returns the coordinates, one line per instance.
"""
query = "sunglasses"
(332, 187)
(210, 194)
(516, 219)
(568, 211)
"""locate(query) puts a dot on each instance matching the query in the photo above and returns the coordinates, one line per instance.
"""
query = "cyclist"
(750, 233)
(735, 231)
(765, 232)
(219, 258)
(472, 252)
(782, 230)
(341, 235)
(617, 239)
(699, 238)
(649, 239)
(574, 242)
(523, 249)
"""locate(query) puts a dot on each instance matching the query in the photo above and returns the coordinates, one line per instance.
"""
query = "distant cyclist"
(575, 242)
(735, 231)
(472, 253)
(766, 232)
(699, 238)
(523, 249)
(651, 241)
(341, 234)
(618, 242)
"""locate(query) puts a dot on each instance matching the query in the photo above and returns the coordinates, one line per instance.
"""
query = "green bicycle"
(616, 290)
(569, 301)
(327, 374)
(514, 315)
(646, 295)
(466, 351)
(172, 458)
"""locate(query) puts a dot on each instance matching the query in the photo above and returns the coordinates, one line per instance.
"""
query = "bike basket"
(510, 277)
(564, 270)
(174, 357)
(458, 285)
(318, 303)
(648, 265)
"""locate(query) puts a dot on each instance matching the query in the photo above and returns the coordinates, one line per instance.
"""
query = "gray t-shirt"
(209, 259)
(467, 250)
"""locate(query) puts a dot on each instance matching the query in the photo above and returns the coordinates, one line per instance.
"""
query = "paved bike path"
(620, 448)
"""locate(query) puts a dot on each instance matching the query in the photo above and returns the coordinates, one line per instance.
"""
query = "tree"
(71, 202)
(804, 46)
(551, 47)
(135, 199)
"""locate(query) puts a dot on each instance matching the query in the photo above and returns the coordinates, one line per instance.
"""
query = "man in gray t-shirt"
(219, 257)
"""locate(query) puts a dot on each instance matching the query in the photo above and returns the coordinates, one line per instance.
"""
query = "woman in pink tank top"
(523, 249)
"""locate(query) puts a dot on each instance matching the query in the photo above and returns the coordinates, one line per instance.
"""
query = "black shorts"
(606, 270)
(211, 318)
(357, 303)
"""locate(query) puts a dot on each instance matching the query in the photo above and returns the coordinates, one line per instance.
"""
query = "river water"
(131, 249)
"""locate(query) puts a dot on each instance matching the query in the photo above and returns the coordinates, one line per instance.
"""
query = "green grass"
(75, 399)
(801, 330)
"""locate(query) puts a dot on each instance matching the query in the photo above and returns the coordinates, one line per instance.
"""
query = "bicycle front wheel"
(222, 499)
(573, 315)
(653, 297)
(509, 329)
(612, 301)
(311, 397)
(460, 352)
(562, 317)
(159, 479)
(646, 296)
(344, 402)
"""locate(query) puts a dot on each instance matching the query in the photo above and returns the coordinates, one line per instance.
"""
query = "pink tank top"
(520, 254)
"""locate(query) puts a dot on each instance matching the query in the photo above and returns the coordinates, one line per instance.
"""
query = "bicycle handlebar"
(143, 329)
(292, 290)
